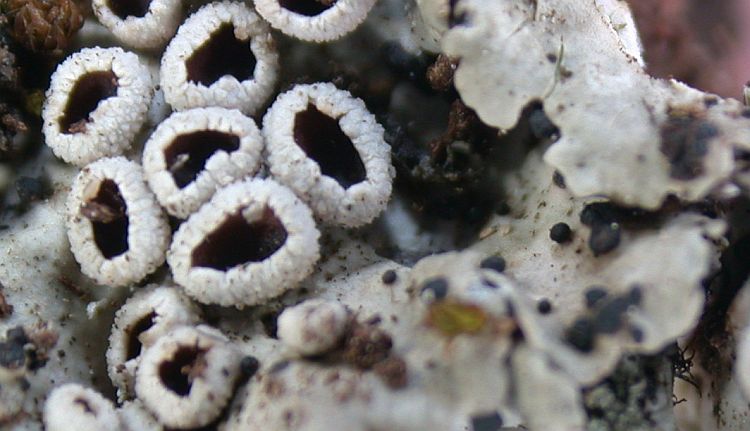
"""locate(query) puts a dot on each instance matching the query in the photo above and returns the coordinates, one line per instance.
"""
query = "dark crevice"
(237, 241)
(222, 54)
(126, 8)
(322, 139)
(88, 91)
(187, 155)
(307, 7)
(182, 369)
(134, 345)
(107, 212)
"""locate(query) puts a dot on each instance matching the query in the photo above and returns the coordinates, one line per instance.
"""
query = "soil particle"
(365, 346)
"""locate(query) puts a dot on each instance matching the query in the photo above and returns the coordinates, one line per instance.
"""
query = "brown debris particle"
(5, 308)
(44, 340)
(195, 369)
(274, 387)
(78, 127)
(462, 124)
(393, 372)
(365, 346)
(440, 73)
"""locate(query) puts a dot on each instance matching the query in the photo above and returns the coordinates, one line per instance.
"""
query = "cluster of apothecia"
(250, 198)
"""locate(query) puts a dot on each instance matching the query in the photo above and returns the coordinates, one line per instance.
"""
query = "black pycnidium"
(560, 233)
(249, 366)
(544, 306)
(609, 318)
(487, 422)
(604, 238)
(541, 126)
(389, 277)
(594, 294)
(438, 287)
(495, 263)
(581, 335)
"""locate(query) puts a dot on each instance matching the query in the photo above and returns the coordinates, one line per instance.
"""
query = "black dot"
(637, 334)
(636, 294)
(389, 277)
(487, 422)
(495, 263)
(438, 287)
(560, 233)
(558, 179)
(544, 306)
(594, 294)
(604, 238)
(581, 335)
(249, 366)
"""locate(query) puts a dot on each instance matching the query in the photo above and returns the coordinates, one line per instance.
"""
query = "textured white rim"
(209, 392)
(148, 230)
(221, 168)
(114, 123)
(253, 282)
(336, 21)
(151, 31)
(75, 404)
(248, 95)
(171, 309)
(289, 164)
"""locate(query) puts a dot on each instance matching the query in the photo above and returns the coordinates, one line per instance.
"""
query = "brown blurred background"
(703, 43)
